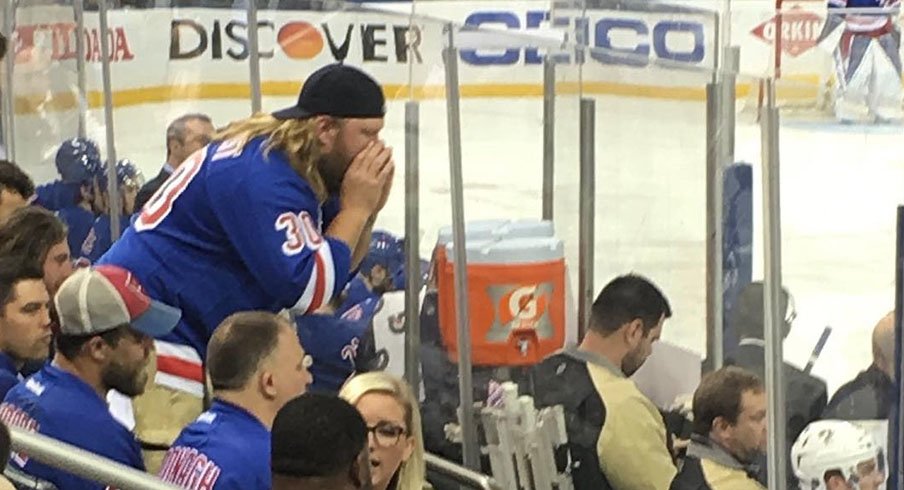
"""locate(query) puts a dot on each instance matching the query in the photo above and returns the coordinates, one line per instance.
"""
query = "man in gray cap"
(104, 342)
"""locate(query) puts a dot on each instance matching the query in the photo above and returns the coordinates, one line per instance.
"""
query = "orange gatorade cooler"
(485, 230)
(516, 300)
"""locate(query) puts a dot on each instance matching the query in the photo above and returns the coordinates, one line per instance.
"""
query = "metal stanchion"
(78, 7)
(254, 58)
(115, 206)
(714, 196)
(549, 135)
(412, 248)
(470, 446)
(896, 425)
(9, 96)
(587, 214)
(772, 314)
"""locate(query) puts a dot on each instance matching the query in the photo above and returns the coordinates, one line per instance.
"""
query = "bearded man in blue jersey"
(275, 213)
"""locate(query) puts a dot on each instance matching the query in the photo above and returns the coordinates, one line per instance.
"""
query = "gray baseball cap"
(99, 299)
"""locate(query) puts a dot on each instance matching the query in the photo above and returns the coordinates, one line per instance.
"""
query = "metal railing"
(82, 463)
(460, 474)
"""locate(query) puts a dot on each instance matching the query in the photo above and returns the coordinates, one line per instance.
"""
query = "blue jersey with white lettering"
(225, 448)
(232, 229)
(337, 344)
(57, 195)
(100, 238)
(79, 222)
(57, 404)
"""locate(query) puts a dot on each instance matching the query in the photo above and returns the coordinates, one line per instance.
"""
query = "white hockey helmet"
(827, 445)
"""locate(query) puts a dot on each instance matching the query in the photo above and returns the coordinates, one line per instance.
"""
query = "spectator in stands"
(805, 394)
(184, 136)
(319, 442)
(256, 365)
(617, 438)
(394, 423)
(38, 238)
(16, 188)
(729, 433)
(25, 332)
(871, 394)
(105, 339)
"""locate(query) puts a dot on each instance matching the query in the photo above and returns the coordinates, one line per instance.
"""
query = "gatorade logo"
(520, 307)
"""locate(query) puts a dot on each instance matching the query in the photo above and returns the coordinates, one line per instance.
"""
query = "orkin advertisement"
(165, 51)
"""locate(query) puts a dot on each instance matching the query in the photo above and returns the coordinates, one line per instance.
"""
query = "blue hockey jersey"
(79, 222)
(226, 448)
(99, 239)
(57, 195)
(232, 229)
(57, 404)
(337, 344)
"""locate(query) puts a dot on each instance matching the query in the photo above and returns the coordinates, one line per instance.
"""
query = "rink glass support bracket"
(78, 11)
(254, 57)
(774, 318)
(412, 248)
(549, 135)
(114, 202)
(470, 444)
(8, 89)
(586, 213)
(896, 427)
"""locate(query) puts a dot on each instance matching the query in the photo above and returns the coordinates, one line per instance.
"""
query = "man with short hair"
(105, 338)
(871, 394)
(729, 433)
(319, 443)
(16, 188)
(256, 365)
(617, 438)
(185, 135)
(38, 238)
(25, 332)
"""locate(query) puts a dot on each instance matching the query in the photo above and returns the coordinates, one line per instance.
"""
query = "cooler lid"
(499, 229)
(512, 251)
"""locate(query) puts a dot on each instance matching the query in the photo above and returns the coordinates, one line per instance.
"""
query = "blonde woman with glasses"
(394, 425)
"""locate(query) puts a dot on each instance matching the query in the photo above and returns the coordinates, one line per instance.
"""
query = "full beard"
(332, 172)
(128, 381)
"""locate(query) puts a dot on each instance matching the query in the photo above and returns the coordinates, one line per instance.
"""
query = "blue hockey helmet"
(78, 160)
(386, 250)
(127, 174)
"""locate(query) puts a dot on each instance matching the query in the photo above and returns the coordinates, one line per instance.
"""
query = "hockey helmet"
(833, 445)
(78, 160)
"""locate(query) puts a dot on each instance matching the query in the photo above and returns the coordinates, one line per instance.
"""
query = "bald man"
(870, 395)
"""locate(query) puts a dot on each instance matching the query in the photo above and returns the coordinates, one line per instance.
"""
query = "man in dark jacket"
(870, 395)
(616, 436)
(805, 395)
(184, 136)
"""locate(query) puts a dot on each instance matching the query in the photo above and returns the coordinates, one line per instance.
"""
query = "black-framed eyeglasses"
(386, 434)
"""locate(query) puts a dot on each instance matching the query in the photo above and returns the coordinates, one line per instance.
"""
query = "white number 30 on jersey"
(300, 232)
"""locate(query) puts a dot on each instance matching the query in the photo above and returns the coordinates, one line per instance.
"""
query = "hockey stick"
(826, 332)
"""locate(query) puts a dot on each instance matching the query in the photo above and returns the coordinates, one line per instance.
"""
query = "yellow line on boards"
(62, 101)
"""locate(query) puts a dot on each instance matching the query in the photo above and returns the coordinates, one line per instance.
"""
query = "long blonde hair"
(412, 473)
(297, 138)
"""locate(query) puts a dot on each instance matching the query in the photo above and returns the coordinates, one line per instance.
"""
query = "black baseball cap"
(337, 90)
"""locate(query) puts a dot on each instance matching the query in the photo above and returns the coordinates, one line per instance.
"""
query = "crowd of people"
(221, 342)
